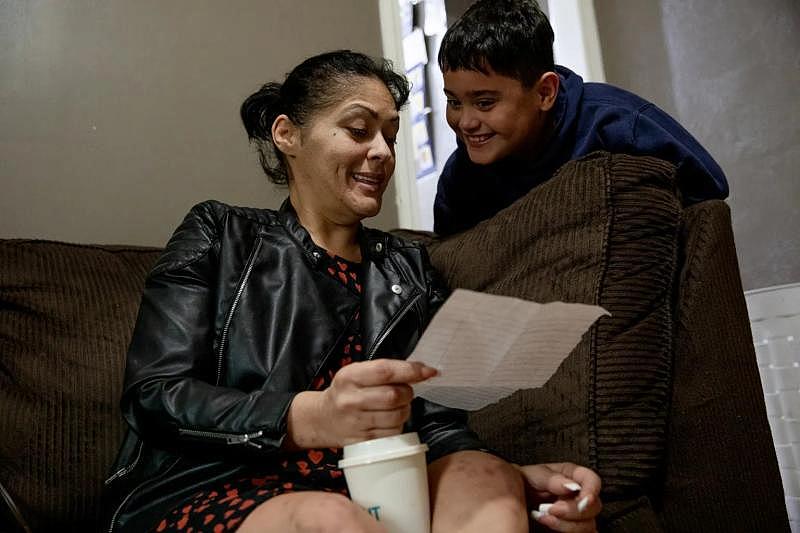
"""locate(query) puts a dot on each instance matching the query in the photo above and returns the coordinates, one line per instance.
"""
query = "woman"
(268, 340)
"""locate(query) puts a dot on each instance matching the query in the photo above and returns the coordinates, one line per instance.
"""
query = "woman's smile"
(370, 181)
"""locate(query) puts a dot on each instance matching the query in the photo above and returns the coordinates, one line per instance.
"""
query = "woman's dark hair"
(316, 83)
(512, 37)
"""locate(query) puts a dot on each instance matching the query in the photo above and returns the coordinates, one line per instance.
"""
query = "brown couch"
(662, 398)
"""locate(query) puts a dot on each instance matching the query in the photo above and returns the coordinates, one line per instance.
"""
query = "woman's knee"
(317, 512)
(339, 513)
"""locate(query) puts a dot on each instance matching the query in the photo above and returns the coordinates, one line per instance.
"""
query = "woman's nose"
(379, 149)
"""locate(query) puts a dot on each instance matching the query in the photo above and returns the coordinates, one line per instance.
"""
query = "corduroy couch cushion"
(66, 316)
(604, 230)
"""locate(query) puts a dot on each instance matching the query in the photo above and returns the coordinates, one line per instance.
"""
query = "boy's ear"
(547, 89)
(285, 135)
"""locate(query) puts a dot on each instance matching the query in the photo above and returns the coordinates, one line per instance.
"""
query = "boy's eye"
(453, 104)
(483, 105)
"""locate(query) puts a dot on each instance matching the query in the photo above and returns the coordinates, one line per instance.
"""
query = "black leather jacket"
(236, 318)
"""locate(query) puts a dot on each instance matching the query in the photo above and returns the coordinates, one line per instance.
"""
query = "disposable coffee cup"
(389, 478)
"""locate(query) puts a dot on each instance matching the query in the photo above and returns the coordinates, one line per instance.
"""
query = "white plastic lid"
(384, 456)
(382, 449)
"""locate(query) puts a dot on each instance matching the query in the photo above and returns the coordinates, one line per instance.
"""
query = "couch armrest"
(721, 471)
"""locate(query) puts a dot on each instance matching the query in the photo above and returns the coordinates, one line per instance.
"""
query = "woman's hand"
(366, 400)
(570, 494)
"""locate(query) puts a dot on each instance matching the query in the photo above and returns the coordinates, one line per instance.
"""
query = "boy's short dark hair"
(512, 37)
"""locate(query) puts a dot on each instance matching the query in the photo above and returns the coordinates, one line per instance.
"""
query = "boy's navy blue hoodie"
(587, 117)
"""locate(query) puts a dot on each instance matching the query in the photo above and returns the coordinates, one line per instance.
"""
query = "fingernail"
(574, 487)
(583, 504)
(536, 514)
(545, 508)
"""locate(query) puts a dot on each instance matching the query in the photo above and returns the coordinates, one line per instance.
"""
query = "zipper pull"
(245, 439)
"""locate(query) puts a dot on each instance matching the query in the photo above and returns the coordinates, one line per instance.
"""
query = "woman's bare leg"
(310, 512)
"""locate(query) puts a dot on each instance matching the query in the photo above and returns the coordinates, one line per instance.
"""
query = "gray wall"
(117, 115)
(729, 71)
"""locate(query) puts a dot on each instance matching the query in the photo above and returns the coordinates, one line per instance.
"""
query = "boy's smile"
(496, 116)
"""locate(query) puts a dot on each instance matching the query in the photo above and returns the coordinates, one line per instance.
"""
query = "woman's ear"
(547, 89)
(285, 134)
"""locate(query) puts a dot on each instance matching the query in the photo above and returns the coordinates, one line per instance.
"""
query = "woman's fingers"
(381, 398)
(544, 478)
(589, 481)
(569, 515)
(573, 509)
(386, 371)
(374, 408)
(385, 397)
(576, 490)
(562, 479)
(371, 399)
(567, 526)
(386, 419)
(377, 424)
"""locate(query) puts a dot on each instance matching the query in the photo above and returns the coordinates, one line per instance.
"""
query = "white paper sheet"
(487, 346)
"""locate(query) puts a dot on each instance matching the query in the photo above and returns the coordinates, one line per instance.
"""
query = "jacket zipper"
(392, 324)
(240, 290)
(229, 438)
(131, 493)
(242, 438)
(125, 469)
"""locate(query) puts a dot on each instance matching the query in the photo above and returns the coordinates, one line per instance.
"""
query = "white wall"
(118, 115)
(577, 43)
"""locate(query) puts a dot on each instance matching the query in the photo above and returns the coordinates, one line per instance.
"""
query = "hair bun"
(259, 110)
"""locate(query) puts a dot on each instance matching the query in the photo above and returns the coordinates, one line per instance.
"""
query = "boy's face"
(496, 116)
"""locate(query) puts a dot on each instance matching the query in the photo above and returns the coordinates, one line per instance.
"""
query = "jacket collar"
(373, 243)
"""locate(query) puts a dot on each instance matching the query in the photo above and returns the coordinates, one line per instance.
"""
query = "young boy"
(518, 118)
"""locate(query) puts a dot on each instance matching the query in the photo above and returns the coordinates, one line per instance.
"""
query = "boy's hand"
(564, 496)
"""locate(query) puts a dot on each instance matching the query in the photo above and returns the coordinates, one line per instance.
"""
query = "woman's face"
(344, 158)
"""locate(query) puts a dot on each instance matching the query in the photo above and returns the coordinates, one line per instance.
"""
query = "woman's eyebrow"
(356, 107)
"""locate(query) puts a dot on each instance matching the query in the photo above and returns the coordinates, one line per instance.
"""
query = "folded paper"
(486, 346)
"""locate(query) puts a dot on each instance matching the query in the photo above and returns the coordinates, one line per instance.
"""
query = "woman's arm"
(171, 396)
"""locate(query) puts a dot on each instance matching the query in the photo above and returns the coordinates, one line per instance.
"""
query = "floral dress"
(224, 507)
